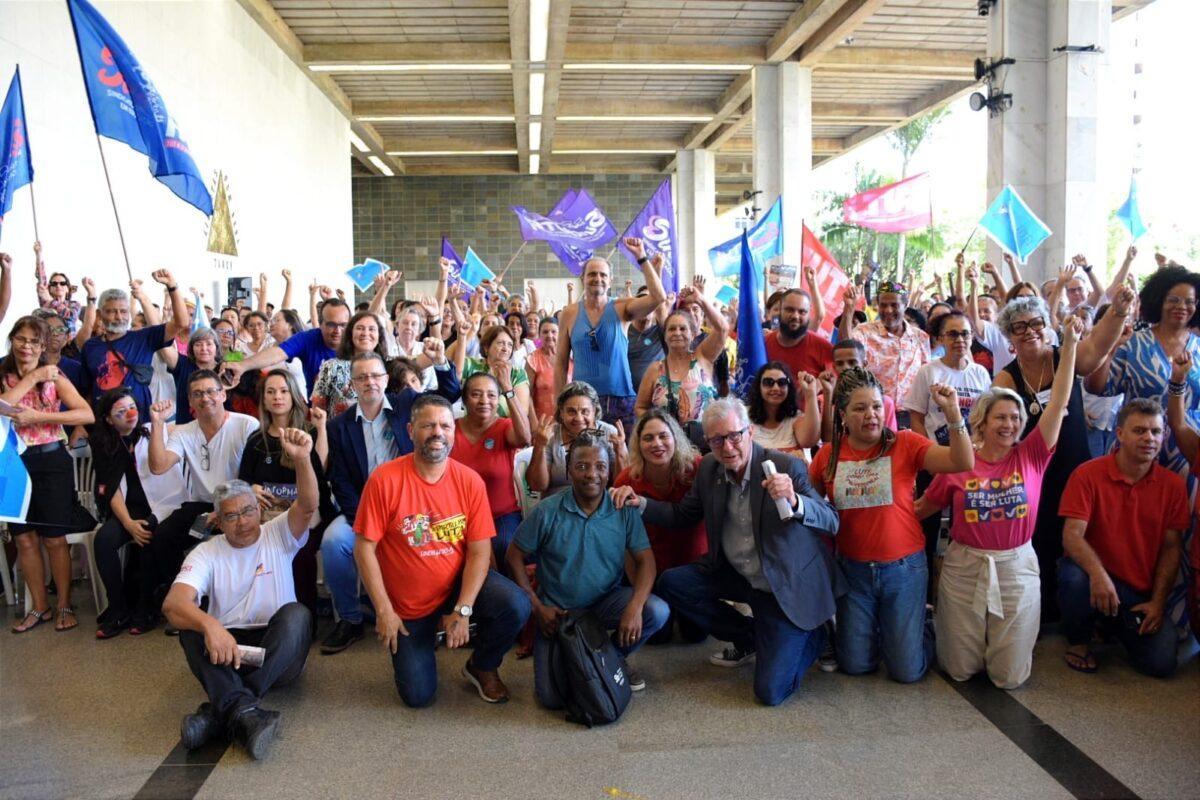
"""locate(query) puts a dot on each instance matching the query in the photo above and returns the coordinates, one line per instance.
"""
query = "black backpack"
(588, 672)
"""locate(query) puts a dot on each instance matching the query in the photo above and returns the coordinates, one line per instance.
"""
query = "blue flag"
(766, 241)
(364, 274)
(1129, 213)
(751, 347)
(474, 271)
(16, 164)
(1012, 225)
(15, 486)
(655, 226)
(199, 318)
(127, 107)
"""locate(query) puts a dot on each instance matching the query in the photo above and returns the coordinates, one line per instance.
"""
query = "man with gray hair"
(122, 357)
(760, 551)
(247, 577)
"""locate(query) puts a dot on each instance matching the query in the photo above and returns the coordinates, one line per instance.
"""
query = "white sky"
(1167, 34)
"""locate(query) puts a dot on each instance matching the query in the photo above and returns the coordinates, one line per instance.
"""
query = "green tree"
(907, 140)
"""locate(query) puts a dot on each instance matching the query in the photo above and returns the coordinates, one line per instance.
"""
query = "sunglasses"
(771, 383)
(59, 283)
(1035, 324)
(957, 334)
(595, 345)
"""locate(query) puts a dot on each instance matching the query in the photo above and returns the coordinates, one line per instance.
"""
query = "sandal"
(1080, 662)
(38, 618)
(60, 621)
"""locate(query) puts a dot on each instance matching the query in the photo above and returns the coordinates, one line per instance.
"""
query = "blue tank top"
(602, 353)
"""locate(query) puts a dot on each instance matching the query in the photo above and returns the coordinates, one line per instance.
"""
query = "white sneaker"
(827, 661)
(731, 656)
(636, 682)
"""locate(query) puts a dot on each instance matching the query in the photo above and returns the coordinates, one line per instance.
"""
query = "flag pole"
(969, 238)
(113, 197)
(33, 206)
(503, 272)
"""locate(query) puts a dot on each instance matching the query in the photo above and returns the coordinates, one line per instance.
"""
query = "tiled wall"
(401, 220)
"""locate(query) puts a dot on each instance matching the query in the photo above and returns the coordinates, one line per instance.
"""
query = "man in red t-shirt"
(1125, 516)
(793, 343)
(423, 548)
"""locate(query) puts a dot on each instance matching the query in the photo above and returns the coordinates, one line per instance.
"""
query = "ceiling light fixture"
(436, 153)
(603, 152)
(358, 143)
(535, 163)
(382, 167)
(537, 92)
(440, 118)
(639, 118)
(482, 67)
(539, 28)
(639, 67)
(535, 135)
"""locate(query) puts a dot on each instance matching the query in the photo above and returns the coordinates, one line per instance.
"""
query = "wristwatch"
(510, 394)
(464, 611)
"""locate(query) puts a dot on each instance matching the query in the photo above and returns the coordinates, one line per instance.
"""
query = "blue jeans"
(784, 651)
(884, 611)
(608, 609)
(500, 612)
(341, 573)
(1153, 654)
(506, 531)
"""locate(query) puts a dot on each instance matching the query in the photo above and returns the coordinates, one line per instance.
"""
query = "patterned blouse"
(686, 399)
(45, 400)
(1141, 369)
(895, 360)
(333, 389)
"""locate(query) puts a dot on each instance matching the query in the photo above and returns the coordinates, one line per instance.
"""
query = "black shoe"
(255, 728)
(342, 636)
(199, 728)
(113, 626)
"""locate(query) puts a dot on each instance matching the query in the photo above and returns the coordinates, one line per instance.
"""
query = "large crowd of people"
(472, 467)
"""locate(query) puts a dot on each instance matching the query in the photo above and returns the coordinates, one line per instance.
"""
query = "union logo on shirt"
(261, 570)
(421, 529)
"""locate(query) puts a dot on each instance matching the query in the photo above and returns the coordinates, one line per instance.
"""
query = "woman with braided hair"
(869, 471)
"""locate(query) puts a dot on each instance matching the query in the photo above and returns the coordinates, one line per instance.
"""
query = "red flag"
(831, 281)
(895, 208)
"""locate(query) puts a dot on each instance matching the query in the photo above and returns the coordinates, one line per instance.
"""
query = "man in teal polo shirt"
(580, 540)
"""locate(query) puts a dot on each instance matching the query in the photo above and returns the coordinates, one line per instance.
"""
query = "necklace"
(1035, 408)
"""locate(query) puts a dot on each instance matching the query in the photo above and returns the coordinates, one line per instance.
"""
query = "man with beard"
(313, 347)
(122, 357)
(896, 350)
(792, 343)
(423, 547)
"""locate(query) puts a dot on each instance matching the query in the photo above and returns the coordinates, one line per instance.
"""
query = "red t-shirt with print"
(421, 530)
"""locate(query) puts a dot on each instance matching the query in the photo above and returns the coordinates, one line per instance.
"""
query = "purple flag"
(655, 226)
(451, 255)
(573, 258)
(578, 226)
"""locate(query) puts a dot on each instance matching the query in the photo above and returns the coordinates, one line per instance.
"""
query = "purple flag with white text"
(451, 255)
(576, 227)
(655, 226)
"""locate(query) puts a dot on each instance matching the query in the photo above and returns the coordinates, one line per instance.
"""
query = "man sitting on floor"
(1123, 538)
(423, 547)
(247, 577)
(580, 540)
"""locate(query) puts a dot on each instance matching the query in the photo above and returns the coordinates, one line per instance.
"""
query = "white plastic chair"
(6, 575)
(527, 498)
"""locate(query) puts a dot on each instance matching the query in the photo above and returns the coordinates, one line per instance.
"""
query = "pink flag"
(831, 281)
(895, 208)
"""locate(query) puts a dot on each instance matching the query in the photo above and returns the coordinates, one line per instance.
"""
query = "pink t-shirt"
(995, 505)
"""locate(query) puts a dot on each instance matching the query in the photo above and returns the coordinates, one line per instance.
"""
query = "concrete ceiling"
(446, 86)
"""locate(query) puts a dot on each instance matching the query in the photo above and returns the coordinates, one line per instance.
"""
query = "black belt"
(43, 448)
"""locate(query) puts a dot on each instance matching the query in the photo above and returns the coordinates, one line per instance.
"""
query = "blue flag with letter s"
(127, 107)
(16, 163)
(15, 486)
(765, 238)
(1012, 224)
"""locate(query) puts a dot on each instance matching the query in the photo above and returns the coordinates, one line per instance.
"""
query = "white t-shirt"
(782, 438)
(165, 492)
(245, 586)
(969, 383)
(224, 453)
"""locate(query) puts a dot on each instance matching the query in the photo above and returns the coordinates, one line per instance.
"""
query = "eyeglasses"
(771, 383)
(25, 341)
(1035, 324)
(200, 394)
(1175, 300)
(734, 438)
(961, 334)
(335, 326)
(59, 330)
(59, 283)
(205, 458)
(232, 517)
(369, 376)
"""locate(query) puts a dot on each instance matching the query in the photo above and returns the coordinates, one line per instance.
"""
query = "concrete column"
(695, 188)
(783, 146)
(1046, 144)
